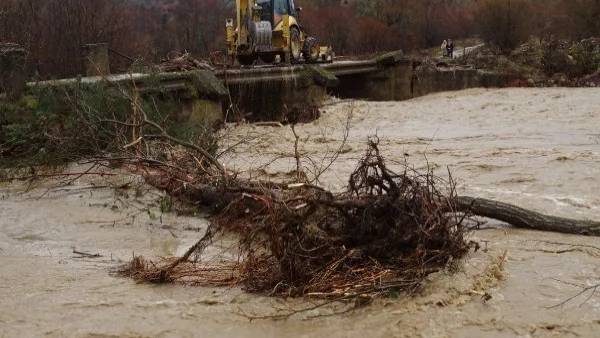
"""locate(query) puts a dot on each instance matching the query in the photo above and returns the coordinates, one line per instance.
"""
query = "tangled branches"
(386, 232)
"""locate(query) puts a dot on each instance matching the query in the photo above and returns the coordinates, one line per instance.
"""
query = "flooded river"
(537, 148)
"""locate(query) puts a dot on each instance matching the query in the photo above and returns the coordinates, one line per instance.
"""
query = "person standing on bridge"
(444, 44)
(450, 48)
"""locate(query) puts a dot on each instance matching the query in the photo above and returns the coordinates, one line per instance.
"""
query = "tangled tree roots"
(386, 232)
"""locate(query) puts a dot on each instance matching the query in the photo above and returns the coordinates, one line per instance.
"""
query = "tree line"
(54, 31)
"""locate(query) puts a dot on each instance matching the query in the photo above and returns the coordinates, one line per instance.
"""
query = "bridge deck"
(279, 72)
(237, 75)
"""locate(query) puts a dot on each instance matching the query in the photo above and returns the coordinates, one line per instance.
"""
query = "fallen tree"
(524, 218)
(385, 233)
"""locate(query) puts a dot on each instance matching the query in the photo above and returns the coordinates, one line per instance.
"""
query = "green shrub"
(586, 58)
(555, 59)
(59, 123)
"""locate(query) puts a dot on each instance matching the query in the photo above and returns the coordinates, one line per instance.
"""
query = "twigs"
(287, 313)
(571, 245)
(85, 254)
(296, 153)
(196, 248)
(591, 289)
(139, 119)
(387, 232)
(79, 174)
(561, 248)
(339, 150)
(163, 133)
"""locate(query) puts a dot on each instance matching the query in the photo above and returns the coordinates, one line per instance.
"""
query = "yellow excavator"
(267, 29)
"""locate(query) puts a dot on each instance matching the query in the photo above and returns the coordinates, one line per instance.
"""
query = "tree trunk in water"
(218, 198)
(523, 218)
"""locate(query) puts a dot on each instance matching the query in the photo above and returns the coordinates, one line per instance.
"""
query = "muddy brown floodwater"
(537, 148)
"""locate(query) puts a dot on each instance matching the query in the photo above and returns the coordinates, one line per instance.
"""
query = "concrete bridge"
(270, 92)
(264, 92)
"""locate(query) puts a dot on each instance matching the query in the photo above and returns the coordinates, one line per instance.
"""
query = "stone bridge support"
(12, 69)
(389, 80)
(96, 59)
(259, 96)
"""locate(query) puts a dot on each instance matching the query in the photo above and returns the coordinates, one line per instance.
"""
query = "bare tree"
(582, 19)
(70, 24)
(504, 23)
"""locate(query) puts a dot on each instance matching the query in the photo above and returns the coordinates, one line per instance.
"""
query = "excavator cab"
(274, 10)
(270, 28)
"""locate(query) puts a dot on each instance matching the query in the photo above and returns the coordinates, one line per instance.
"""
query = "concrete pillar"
(12, 69)
(96, 59)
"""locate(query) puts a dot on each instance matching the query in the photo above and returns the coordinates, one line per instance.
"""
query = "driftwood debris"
(524, 218)
(183, 62)
(384, 234)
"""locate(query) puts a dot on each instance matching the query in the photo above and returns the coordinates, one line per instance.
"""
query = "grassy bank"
(53, 123)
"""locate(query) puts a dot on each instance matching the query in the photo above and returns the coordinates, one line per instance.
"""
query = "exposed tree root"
(386, 232)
